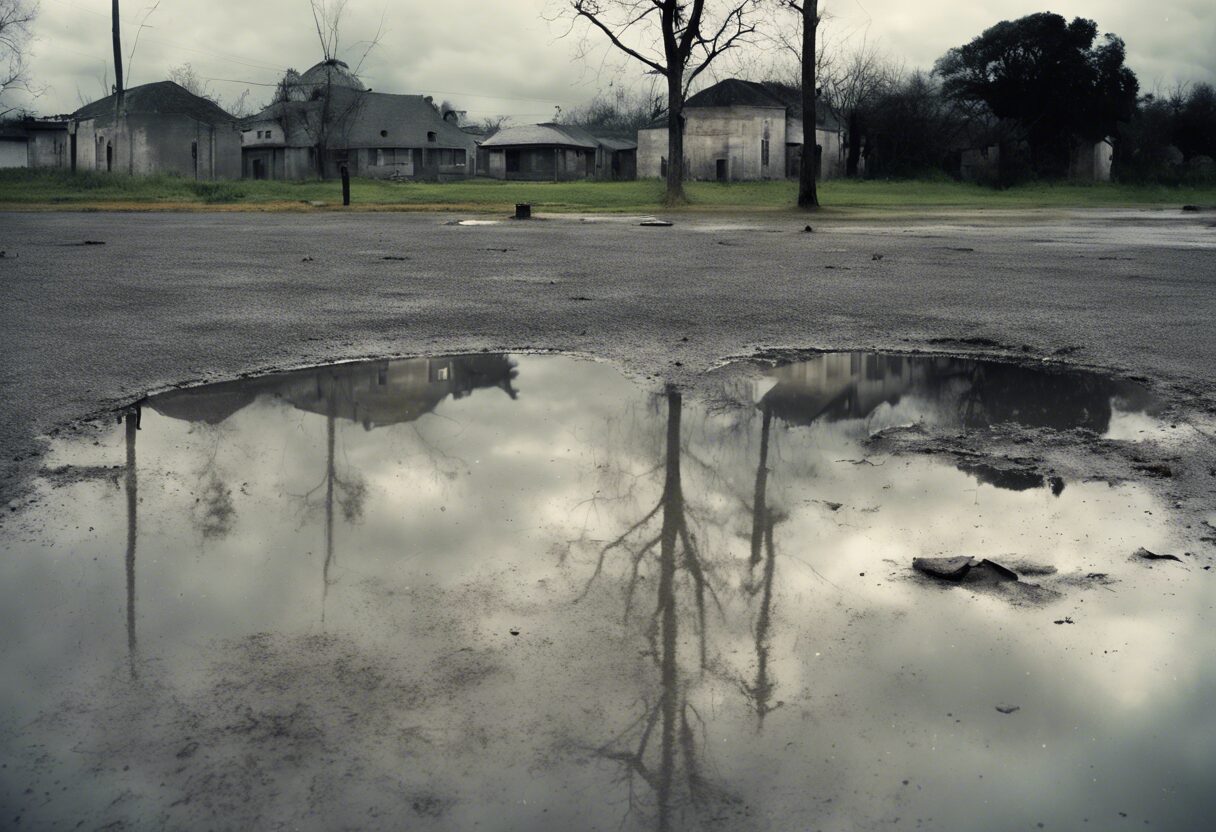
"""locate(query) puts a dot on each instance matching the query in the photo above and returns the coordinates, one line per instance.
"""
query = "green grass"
(51, 189)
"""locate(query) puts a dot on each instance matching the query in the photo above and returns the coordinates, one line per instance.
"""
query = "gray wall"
(144, 144)
(736, 135)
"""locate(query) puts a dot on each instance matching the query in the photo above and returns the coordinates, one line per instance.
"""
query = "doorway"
(723, 172)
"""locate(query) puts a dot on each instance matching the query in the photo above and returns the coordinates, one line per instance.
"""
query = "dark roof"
(163, 98)
(331, 73)
(734, 92)
(617, 144)
(541, 135)
(361, 117)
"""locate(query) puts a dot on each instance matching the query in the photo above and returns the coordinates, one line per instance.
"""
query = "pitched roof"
(734, 92)
(617, 144)
(358, 119)
(563, 135)
(331, 73)
(162, 98)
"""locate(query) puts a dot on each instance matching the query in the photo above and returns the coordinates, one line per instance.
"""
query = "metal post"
(345, 185)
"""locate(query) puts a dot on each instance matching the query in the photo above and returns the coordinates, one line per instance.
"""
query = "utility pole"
(117, 55)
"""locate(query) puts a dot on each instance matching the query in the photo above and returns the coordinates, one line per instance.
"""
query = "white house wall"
(735, 134)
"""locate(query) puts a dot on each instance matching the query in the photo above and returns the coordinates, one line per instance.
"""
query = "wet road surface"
(524, 592)
(176, 298)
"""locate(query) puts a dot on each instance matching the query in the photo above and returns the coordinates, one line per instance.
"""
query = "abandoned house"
(35, 143)
(156, 128)
(743, 130)
(557, 152)
(328, 119)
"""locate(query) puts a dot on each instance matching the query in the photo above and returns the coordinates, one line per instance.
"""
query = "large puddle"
(526, 593)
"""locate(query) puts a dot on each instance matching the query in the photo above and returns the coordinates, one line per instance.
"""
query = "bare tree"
(808, 197)
(858, 78)
(15, 19)
(186, 77)
(675, 39)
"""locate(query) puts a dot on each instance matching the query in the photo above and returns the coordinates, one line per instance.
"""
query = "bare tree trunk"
(808, 196)
(675, 141)
(117, 55)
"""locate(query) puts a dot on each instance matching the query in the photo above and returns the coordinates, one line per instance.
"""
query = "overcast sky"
(502, 57)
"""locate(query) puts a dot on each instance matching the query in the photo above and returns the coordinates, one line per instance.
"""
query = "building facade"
(556, 153)
(158, 128)
(744, 131)
(328, 120)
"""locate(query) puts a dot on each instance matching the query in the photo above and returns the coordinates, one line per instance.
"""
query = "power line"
(243, 61)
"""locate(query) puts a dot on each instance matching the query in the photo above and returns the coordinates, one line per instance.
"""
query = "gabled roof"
(333, 73)
(358, 119)
(618, 144)
(161, 98)
(734, 92)
(548, 135)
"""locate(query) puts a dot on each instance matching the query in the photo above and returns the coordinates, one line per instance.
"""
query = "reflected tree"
(663, 747)
(132, 420)
(764, 520)
(674, 545)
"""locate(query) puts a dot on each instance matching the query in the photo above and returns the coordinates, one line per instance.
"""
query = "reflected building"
(968, 393)
(373, 393)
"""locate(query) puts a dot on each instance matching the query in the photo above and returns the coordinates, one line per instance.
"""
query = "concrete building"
(557, 152)
(328, 112)
(35, 143)
(743, 130)
(157, 128)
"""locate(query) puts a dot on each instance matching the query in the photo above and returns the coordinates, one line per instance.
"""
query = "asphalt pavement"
(160, 300)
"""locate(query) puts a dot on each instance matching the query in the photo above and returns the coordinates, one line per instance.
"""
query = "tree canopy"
(1053, 78)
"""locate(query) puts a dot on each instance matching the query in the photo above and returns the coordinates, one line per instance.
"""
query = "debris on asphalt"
(1008, 709)
(964, 569)
(1145, 554)
(808, 230)
(1065, 620)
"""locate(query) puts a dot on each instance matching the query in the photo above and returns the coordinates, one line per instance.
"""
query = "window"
(270, 134)
(384, 134)
(764, 152)
(430, 136)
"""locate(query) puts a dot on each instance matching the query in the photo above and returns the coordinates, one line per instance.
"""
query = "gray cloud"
(502, 56)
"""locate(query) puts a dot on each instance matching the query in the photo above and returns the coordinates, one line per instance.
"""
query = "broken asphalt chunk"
(948, 569)
(964, 569)
(1145, 554)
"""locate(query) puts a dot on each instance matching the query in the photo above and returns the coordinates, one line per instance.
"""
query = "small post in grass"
(345, 185)
(523, 211)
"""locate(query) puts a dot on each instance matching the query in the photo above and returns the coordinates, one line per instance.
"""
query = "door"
(259, 168)
(722, 170)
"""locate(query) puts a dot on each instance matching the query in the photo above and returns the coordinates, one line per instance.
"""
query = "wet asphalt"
(172, 299)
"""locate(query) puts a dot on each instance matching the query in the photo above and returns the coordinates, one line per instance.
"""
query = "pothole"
(525, 588)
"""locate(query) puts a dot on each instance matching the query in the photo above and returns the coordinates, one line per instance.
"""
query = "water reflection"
(131, 420)
(956, 392)
(616, 603)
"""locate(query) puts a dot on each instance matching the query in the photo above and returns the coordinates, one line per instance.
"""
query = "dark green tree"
(1053, 79)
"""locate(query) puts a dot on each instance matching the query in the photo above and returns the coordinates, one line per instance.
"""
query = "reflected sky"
(523, 592)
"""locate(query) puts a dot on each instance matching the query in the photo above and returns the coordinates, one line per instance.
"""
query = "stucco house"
(35, 143)
(328, 111)
(556, 152)
(156, 128)
(743, 130)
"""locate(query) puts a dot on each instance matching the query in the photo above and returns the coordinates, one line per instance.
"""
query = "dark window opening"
(512, 161)
(764, 152)
(384, 134)
(430, 136)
